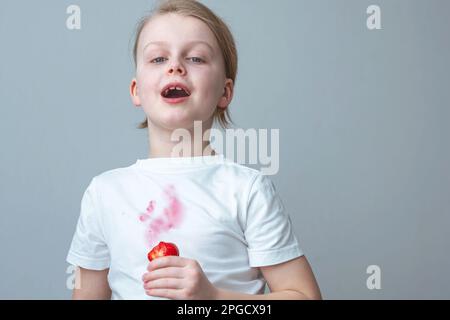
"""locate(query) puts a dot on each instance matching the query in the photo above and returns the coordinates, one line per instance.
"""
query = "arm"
(93, 285)
(176, 277)
(293, 279)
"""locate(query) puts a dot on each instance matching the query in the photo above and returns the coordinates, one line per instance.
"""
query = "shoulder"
(242, 173)
(254, 185)
(113, 177)
(246, 179)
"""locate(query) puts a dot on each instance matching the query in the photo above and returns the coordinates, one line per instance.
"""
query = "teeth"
(174, 88)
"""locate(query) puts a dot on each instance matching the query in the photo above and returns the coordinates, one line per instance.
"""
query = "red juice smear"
(173, 212)
(172, 216)
(144, 216)
(150, 207)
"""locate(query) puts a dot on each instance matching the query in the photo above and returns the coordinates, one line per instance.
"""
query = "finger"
(168, 261)
(175, 294)
(169, 272)
(164, 283)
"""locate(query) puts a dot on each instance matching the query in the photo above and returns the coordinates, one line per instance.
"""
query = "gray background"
(363, 118)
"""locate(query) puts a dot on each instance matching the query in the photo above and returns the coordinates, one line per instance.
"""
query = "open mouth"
(174, 92)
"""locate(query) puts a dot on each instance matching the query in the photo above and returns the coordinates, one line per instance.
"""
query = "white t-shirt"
(227, 216)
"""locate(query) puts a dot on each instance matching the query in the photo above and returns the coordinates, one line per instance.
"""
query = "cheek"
(210, 85)
(148, 87)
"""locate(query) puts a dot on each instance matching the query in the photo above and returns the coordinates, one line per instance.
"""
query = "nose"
(176, 68)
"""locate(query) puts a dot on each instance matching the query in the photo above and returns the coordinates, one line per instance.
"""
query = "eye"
(197, 59)
(157, 60)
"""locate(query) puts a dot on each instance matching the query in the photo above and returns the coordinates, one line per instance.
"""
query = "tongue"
(176, 94)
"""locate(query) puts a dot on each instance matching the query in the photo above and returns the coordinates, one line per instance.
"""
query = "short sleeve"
(268, 228)
(88, 248)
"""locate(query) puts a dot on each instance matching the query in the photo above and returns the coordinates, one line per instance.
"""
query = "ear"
(227, 96)
(134, 93)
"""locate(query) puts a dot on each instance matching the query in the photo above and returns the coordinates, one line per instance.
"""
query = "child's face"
(169, 49)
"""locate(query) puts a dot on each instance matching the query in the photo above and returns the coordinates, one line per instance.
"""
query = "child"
(226, 219)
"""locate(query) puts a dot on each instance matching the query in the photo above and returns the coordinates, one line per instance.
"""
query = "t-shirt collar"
(162, 163)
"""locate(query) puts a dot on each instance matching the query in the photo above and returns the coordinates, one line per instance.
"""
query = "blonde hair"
(220, 30)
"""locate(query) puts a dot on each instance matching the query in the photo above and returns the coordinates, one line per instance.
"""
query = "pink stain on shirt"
(150, 207)
(173, 212)
(144, 216)
(157, 227)
(171, 218)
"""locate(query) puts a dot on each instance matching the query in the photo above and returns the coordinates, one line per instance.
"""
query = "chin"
(174, 122)
(174, 117)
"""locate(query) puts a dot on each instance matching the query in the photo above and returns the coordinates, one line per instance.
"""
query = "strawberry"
(163, 249)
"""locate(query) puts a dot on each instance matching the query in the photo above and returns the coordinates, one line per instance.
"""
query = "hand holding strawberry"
(175, 277)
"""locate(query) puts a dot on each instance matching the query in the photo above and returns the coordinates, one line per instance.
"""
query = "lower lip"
(175, 100)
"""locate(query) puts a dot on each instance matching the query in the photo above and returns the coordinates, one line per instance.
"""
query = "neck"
(192, 145)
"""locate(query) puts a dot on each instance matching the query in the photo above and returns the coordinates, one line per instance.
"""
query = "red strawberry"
(163, 249)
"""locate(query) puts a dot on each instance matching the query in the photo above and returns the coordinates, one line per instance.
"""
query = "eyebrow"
(191, 43)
